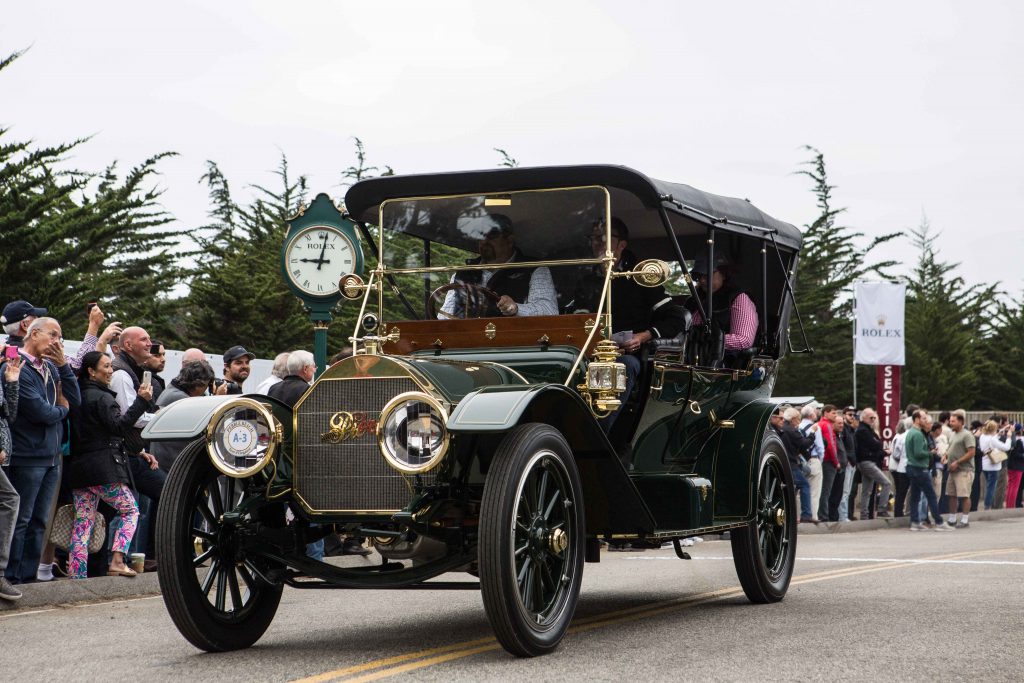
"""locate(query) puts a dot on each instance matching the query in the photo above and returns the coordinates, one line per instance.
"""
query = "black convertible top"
(724, 213)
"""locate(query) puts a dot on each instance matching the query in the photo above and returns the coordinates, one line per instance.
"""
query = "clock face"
(317, 257)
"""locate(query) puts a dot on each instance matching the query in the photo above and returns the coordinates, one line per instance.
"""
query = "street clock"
(320, 247)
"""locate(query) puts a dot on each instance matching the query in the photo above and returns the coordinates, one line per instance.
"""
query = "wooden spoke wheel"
(212, 591)
(531, 540)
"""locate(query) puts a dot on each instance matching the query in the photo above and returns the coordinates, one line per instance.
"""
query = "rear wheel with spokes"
(764, 551)
(212, 591)
(531, 540)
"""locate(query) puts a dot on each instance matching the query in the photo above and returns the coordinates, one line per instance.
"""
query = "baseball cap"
(16, 311)
(236, 352)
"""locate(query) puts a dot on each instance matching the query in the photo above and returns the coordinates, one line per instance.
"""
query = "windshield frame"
(378, 275)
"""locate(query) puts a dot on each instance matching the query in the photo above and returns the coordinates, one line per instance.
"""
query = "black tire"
(531, 540)
(765, 550)
(242, 606)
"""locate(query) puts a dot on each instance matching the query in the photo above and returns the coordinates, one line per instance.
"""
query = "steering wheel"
(476, 298)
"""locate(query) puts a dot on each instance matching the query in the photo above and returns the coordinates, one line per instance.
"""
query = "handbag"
(996, 455)
(805, 466)
(64, 523)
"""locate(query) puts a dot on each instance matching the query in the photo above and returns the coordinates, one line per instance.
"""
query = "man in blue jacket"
(48, 389)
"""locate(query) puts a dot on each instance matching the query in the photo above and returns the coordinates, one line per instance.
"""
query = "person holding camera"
(192, 381)
(236, 368)
(129, 375)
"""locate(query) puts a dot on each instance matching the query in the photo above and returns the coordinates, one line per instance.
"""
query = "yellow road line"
(439, 655)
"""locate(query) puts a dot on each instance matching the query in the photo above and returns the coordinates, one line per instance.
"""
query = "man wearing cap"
(17, 317)
(734, 311)
(236, 368)
(521, 291)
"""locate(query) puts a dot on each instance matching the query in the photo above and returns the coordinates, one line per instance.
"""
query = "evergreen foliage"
(830, 262)
(68, 237)
(237, 293)
(947, 330)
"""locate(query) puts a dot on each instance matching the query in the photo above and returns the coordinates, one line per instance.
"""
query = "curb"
(67, 592)
(895, 522)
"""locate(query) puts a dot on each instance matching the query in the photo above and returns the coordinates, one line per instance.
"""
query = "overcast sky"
(916, 105)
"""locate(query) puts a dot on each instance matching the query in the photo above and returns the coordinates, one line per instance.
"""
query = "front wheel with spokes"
(764, 551)
(214, 594)
(531, 540)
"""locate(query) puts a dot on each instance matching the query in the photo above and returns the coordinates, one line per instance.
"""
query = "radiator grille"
(351, 475)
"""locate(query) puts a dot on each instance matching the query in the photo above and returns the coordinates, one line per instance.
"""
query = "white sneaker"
(916, 526)
(44, 572)
(942, 527)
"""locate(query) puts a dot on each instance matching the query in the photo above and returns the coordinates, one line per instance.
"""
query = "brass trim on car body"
(276, 436)
(348, 369)
(386, 411)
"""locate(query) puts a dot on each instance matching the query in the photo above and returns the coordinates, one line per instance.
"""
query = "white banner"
(880, 331)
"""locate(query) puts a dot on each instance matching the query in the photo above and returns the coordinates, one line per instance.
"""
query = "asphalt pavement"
(874, 601)
(65, 592)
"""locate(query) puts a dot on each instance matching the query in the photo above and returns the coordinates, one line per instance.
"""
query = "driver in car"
(520, 291)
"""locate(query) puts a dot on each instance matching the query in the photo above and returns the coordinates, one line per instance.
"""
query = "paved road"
(872, 605)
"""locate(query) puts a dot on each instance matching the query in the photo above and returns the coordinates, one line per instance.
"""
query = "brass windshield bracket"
(721, 424)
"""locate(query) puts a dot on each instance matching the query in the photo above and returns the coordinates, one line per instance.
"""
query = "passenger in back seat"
(645, 312)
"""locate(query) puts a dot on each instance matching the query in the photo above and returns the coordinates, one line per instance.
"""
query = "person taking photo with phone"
(129, 373)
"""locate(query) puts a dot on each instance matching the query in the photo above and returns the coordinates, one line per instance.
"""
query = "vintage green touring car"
(463, 441)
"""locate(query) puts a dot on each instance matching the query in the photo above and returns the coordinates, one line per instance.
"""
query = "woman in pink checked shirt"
(734, 310)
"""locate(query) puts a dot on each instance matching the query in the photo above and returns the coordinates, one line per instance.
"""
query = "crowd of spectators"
(841, 464)
(71, 434)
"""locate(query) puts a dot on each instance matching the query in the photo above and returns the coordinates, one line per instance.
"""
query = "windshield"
(431, 243)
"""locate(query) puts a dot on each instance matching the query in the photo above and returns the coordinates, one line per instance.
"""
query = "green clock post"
(321, 246)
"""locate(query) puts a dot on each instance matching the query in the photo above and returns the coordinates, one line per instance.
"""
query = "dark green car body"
(687, 455)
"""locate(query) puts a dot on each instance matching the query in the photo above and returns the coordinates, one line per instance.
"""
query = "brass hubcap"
(558, 541)
(780, 517)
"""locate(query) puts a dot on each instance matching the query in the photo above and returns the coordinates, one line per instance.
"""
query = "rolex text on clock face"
(317, 258)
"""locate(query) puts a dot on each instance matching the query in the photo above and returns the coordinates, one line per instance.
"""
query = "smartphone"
(147, 378)
(89, 306)
(11, 352)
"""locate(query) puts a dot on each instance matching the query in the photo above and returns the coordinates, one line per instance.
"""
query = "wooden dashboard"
(547, 330)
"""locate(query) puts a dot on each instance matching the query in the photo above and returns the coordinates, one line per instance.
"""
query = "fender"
(187, 419)
(738, 458)
(613, 504)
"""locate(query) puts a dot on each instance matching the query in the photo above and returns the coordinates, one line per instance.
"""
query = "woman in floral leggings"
(98, 465)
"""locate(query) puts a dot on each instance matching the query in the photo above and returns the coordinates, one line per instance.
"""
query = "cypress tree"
(68, 237)
(830, 262)
(947, 333)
